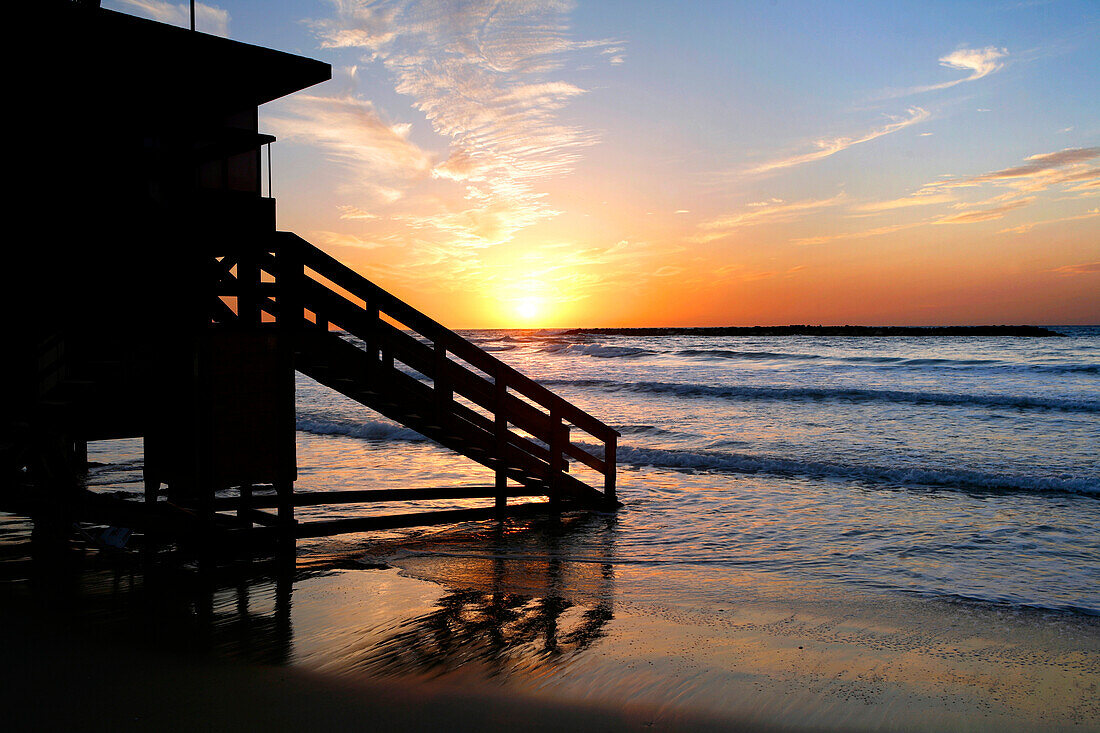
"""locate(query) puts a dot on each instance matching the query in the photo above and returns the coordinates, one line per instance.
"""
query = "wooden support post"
(80, 455)
(610, 463)
(244, 509)
(152, 488)
(287, 526)
(501, 425)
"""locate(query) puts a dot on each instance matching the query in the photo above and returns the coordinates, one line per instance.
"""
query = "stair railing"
(295, 285)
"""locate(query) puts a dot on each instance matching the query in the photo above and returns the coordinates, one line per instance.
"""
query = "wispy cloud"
(342, 239)
(831, 146)
(1037, 173)
(350, 131)
(1024, 228)
(1005, 190)
(481, 73)
(876, 231)
(354, 212)
(1087, 268)
(1039, 165)
(741, 273)
(772, 211)
(920, 198)
(995, 212)
(980, 62)
(208, 18)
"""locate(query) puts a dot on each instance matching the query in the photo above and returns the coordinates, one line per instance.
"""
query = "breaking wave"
(605, 351)
(599, 350)
(956, 478)
(834, 393)
(369, 430)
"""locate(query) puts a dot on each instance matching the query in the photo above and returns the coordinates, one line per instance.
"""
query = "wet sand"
(458, 642)
(54, 681)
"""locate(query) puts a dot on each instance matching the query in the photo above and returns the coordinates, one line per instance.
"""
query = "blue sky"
(602, 163)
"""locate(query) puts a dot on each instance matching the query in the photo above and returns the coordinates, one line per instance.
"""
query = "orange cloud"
(1088, 268)
(995, 212)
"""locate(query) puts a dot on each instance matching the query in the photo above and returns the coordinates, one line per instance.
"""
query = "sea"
(924, 512)
(953, 467)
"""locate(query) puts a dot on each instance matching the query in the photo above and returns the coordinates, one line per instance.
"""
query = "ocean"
(948, 467)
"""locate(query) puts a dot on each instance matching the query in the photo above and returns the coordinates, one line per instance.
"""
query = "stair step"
(417, 519)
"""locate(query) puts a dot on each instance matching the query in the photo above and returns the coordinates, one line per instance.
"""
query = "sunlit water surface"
(960, 468)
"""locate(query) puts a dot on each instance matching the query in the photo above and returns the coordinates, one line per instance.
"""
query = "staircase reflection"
(521, 605)
(522, 599)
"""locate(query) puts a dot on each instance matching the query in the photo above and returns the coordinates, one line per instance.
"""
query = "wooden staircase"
(354, 337)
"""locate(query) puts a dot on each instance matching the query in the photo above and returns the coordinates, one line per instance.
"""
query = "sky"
(603, 163)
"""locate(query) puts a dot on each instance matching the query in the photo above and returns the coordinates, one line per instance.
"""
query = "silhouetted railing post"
(443, 393)
(387, 353)
(559, 436)
(372, 332)
(501, 426)
(291, 272)
(609, 468)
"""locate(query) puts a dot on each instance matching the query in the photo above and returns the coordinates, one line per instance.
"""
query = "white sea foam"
(368, 430)
(678, 389)
(898, 476)
(599, 350)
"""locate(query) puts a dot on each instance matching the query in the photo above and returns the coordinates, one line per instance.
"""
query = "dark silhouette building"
(159, 301)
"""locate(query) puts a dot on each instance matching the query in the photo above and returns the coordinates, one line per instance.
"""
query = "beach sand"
(467, 643)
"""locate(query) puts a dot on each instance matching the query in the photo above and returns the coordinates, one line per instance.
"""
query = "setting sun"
(528, 308)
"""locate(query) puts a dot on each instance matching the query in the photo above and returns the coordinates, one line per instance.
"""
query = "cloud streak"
(772, 211)
(1087, 268)
(995, 212)
(827, 147)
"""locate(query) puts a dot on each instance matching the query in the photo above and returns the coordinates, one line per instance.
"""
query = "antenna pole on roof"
(192, 14)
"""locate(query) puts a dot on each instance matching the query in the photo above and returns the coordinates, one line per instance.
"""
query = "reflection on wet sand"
(246, 609)
(512, 606)
(499, 632)
(551, 610)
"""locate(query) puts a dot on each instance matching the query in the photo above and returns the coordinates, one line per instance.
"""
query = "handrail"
(339, 273)
(292, 290)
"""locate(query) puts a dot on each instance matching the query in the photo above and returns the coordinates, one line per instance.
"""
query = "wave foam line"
(369, 430)
(828, 393)
(957, 478)
(599, 350)
(628, 352)
(894, 361)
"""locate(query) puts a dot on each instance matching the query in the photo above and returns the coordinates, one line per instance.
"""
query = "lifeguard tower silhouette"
(169, 307)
